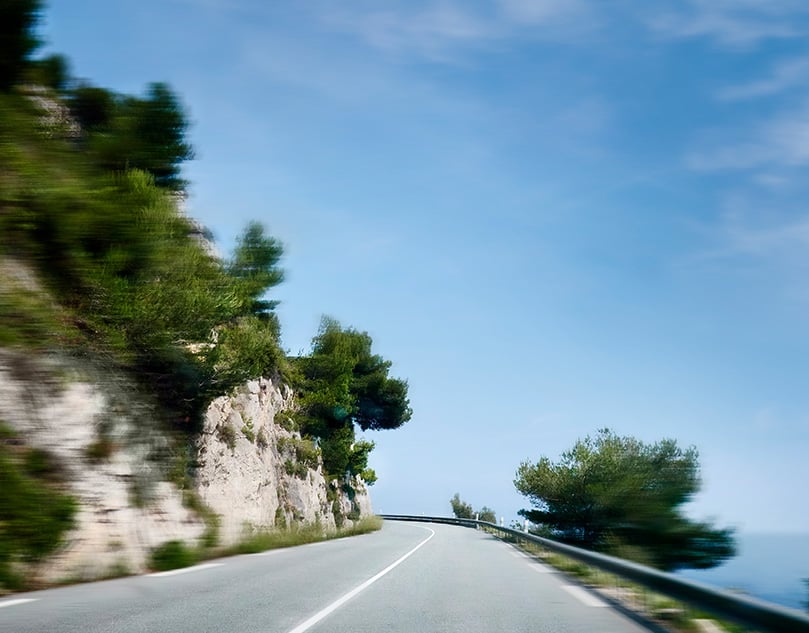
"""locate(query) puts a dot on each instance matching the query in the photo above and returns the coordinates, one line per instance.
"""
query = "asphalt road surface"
(408, 577)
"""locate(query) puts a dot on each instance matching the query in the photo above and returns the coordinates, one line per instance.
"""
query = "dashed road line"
(583, 596)
(11, 603)
(184, 570)
(317, 617)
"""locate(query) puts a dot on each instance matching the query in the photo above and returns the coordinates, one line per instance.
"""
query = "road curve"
(408, 577)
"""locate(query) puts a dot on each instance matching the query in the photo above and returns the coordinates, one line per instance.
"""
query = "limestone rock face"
(254, 472)
(251, 471)
(62, 413)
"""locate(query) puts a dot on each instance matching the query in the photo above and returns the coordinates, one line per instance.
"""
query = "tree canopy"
(343, 384)
(621, 495)
(17, 38)
(463, 510)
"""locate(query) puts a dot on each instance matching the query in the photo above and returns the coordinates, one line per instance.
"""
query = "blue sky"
(551, 215)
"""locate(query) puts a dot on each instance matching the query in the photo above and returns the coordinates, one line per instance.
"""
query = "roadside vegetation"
(176, 554)
(91, 196)
(463, 510)
(621, 496)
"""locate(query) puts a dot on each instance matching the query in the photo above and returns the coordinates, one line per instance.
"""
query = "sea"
(767, 566)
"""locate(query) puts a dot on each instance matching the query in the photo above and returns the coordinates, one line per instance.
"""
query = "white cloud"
(734, 23)
(533, 12)
(429, 32)
(780, 142)
(436, 30)
(785, 75)
(774, 240)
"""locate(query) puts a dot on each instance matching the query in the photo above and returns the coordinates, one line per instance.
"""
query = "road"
(408, 577)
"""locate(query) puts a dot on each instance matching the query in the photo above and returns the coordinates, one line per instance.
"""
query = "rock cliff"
(250, 470)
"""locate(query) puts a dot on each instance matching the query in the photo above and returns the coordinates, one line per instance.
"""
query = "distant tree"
(52, 71)
(17, 39)
(487, 514)
(461, 509)
(254, 268)
(92, 107)
(621, 495)
(343, 385)
(146, 133)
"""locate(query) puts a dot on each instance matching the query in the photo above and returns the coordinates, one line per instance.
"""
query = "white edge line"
(317, 617)
(11, 603)
(584, 596)
(541, 569)
(184, 570)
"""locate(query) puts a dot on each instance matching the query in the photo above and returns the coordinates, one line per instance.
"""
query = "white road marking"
(541, 569)
(317, 617)
(184, 570)
(11, 603)
(583, 596)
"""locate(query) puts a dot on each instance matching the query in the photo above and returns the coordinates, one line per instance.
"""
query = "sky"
(552, 216)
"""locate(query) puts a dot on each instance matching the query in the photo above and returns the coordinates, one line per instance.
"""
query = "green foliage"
(461, 509)
(487, 514)
(368, 476)
(254, 269)
(129, 276)
(92, 107)
(52, 71)
(614, 492)
(295, 469)
(280, 521)
(343, 385)
(145, 133)
(100, 449)
(246, 348)
(171, 555)
(249, 433)
(17, 39)
(227, 434)
(299, 535)
(343, 382)
(34, 513)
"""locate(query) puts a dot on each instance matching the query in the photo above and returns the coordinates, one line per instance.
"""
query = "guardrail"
(744, 610)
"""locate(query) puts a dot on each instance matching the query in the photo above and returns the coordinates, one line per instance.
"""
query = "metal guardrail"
(744, 610)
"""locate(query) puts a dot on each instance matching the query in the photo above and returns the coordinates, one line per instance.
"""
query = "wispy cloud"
(734, 23)
(782, 141)
(787, 74)
(741, 237)
(429, 32)
(437, 30)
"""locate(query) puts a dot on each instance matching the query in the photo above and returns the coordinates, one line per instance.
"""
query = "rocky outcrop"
(250, 470)
(256, 473)
(107, 459)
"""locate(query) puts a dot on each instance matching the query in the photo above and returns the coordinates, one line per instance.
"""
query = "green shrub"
(99, 450)
(227, 434)
(249, 434)
(280, 518)
(171, 555)
(295, 469)
(34, 513)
